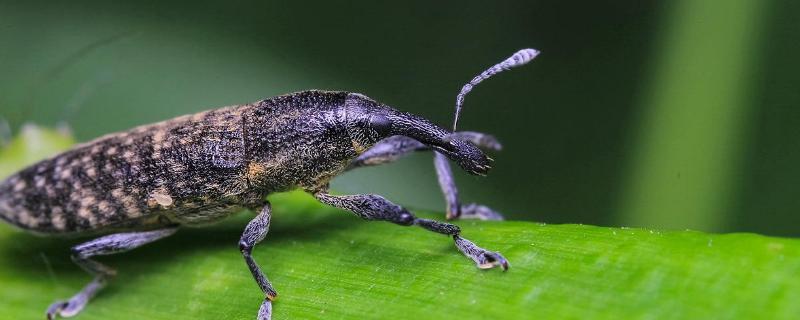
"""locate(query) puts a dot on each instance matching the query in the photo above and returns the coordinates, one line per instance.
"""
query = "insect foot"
(479, 212)
(75, 304)
(265, 312)
(483, 258)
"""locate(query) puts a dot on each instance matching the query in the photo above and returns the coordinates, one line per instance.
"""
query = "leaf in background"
(686, 168)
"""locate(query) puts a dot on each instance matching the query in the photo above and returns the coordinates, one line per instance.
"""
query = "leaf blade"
(328, 264)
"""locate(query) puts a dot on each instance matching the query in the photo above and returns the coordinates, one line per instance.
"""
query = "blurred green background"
(671, 114)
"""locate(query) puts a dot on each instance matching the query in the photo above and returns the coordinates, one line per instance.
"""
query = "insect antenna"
(517, 59)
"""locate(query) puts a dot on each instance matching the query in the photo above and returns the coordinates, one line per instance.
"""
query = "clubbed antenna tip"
(517, 59)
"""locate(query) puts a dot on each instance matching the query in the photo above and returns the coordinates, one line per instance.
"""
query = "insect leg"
(456, 210)
(255, 231)
(395, 147)
(373, 207)
(387, 150)
(81, 254)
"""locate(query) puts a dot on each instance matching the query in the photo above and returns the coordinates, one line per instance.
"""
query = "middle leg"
(256, 231)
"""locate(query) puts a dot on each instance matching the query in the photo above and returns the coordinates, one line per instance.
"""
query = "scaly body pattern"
(139, 186)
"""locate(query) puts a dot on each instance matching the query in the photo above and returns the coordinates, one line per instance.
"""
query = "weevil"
(139, 186)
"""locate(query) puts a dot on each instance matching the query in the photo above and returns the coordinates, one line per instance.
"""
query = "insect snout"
(468, 156)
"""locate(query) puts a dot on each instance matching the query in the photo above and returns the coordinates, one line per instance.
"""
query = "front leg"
(373, 207)
(395, 147)
(455, 210)
(255, 231)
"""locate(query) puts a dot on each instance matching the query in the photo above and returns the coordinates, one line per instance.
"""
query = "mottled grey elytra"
(141, 185)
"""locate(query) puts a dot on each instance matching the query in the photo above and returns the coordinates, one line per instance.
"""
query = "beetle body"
(140, 185)
(199, 168)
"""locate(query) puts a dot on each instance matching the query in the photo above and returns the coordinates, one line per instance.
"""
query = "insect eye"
(380, 123)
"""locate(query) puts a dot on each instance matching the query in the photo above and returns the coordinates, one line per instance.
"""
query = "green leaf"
(328, 264)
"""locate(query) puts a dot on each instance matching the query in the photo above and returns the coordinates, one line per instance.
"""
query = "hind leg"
(81, 254)
(393, 148)
(373, 207)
